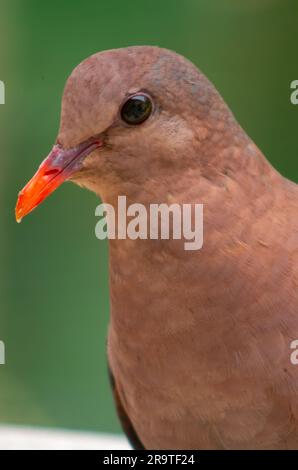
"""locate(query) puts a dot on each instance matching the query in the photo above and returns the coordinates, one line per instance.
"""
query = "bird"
(199, 342)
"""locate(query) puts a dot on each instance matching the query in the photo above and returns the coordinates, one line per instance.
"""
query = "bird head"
(128, 116)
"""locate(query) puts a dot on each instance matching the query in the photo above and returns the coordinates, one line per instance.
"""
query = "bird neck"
(142, 271)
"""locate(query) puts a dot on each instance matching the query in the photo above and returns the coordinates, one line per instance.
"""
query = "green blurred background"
(54, 299)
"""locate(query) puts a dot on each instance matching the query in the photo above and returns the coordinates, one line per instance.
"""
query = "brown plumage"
(123, 417)
(199, 341)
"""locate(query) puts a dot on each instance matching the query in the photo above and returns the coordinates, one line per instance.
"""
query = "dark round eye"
(136, 109)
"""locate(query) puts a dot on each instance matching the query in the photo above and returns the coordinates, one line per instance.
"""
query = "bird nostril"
(51, 172)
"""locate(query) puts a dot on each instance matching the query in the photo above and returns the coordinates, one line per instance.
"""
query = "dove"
(199, 342)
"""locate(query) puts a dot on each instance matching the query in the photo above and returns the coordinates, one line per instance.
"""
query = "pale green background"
(54, 285)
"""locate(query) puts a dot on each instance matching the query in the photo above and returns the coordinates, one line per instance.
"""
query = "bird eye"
(136, 109)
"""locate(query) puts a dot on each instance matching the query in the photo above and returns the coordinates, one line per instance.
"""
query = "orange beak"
(59, 165)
